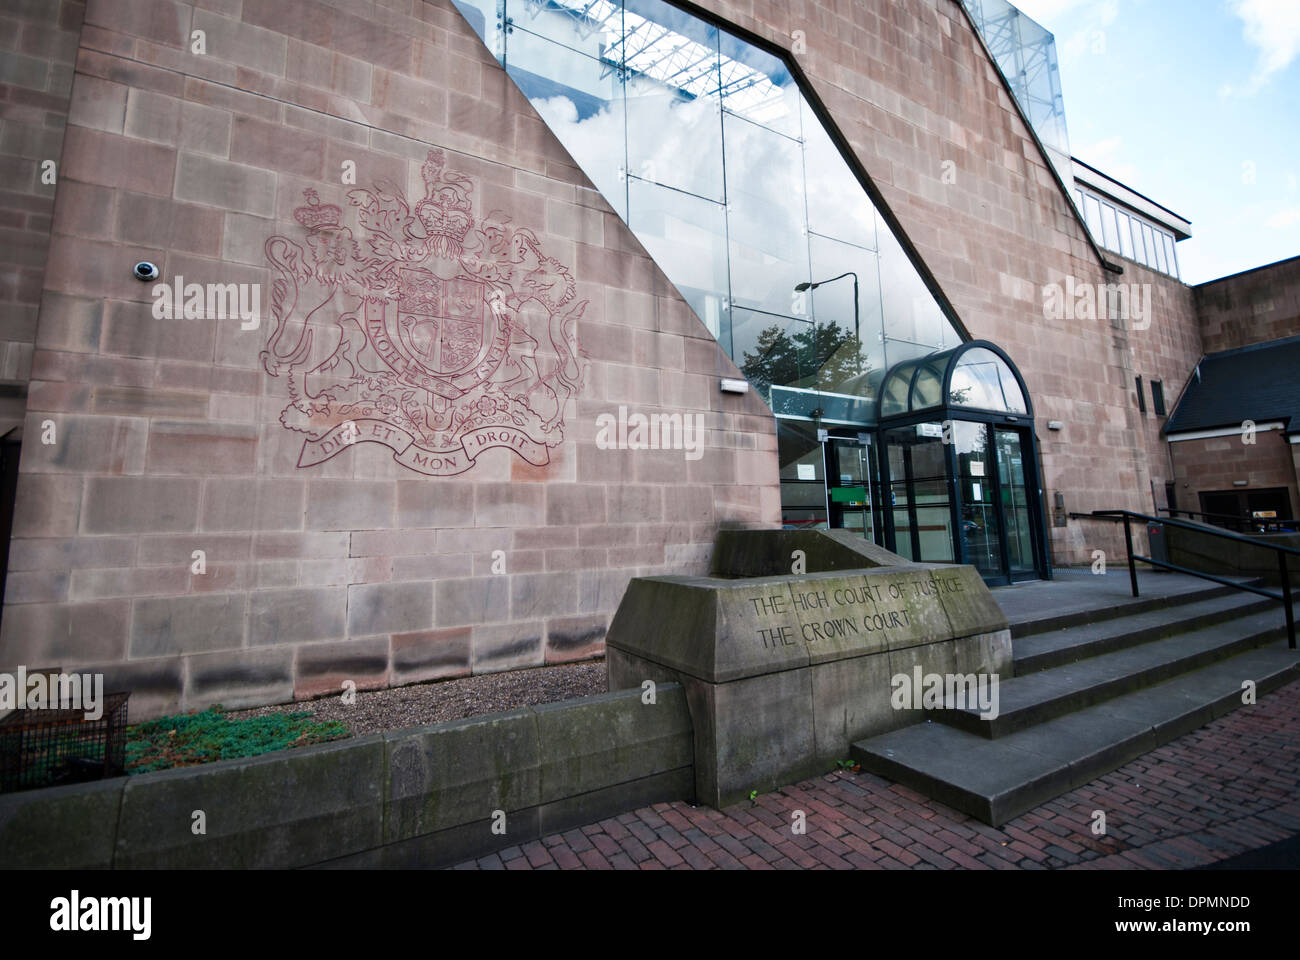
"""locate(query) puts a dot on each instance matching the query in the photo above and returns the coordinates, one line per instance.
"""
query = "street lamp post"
(857, 333)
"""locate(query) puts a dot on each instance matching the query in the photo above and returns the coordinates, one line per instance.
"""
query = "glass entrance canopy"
(709, 151)
(975, 376)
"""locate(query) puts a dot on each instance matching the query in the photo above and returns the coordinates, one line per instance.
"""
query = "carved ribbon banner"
(434, 463)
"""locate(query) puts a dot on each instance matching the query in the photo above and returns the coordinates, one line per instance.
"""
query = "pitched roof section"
(1258, 383)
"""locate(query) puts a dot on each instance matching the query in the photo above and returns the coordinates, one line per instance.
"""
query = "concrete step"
(1048, 694)
(996, 780)
(1024, 626)
(1041, 651)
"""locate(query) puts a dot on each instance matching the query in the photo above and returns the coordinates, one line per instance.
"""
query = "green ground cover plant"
(183, 740)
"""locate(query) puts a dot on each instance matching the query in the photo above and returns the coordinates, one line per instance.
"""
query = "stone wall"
(1167, 352)
(174, 436)
(38, 43)
(426, 796)
(1252, 307)
(1217, 463)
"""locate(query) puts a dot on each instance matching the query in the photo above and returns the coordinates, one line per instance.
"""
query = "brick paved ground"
(1229, 787)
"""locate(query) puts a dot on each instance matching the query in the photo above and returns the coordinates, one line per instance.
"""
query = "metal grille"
(51, 747)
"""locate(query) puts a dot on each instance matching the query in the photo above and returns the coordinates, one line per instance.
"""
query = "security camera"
(144, 270)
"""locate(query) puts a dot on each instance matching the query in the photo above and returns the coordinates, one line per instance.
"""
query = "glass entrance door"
(920, 493)
(977, 478)
(850, 483)
(1017, 519)
(996, 509)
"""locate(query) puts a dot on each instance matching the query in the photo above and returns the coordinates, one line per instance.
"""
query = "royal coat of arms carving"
(441, 336)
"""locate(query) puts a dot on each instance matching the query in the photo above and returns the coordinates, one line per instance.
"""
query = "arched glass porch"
(958, 464)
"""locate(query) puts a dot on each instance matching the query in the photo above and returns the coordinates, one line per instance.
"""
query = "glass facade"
(1124, 232)
(1026, 54)
(710, 153)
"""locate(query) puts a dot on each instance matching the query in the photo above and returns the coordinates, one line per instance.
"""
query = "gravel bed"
(396, 708)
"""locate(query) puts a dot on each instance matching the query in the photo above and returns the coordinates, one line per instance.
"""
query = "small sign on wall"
(807, 471)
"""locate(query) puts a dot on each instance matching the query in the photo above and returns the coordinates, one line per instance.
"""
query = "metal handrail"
(1128, 516)
(1237, 519)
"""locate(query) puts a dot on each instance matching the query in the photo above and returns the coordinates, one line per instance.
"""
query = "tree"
(817, 355)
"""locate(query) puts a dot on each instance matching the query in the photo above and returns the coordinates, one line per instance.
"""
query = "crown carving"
(317, 215)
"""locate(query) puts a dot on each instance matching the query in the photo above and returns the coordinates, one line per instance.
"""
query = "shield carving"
(442, 323)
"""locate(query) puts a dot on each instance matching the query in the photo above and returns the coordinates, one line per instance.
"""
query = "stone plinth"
(783, 673)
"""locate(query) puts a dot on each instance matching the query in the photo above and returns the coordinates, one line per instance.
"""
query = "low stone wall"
(1212, 554)
(425, 796)
(784, 673)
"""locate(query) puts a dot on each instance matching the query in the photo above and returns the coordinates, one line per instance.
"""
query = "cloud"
(1104, 155)
(1091, 36)
(1272, 27)
(1086, 19)
(1047, 11)
(1284, 218)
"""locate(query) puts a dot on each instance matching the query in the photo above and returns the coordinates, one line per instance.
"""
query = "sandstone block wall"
(38, 44)
(1251, 307)
(173, 436)
(1217, 463)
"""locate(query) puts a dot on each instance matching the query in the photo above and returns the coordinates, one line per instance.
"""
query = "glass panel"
(775, 350)
(674, 135)
(934, 522)
(580, 99)
(1108, 226)
(758, 87)
(899, 502)
(980, 528)
(592, 29)
(668, 44)
(894, 396)
(914, 322)
(919, 491)
(832, 306)
(1015, 502)
(1171, 255)
(1125, 234)
(803, 480)
(928, 389)
(1139, 245)
(769, 252)
(837, 205)
(1154, 256)
(1042, 83)
(983, 381)
(1092, 214)
(687, 237)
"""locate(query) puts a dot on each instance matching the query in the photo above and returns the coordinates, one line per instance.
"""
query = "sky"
(1196, 104)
